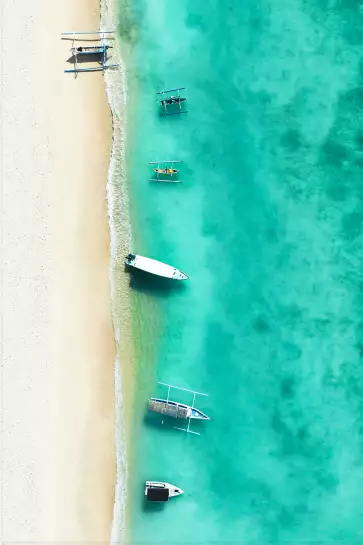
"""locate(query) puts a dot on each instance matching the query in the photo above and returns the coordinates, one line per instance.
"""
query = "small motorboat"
(153, 266)
(161, 492)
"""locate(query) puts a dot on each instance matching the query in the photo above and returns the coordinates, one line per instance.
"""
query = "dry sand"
(58, 463)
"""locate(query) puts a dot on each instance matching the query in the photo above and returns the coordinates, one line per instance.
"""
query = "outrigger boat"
(89, 52)
(153, 266)
(161, 492)
(163, 168)
(170, 171)
(172, 100)
(174, 409)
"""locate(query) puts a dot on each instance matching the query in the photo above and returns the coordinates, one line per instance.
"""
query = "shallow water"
(268, 225)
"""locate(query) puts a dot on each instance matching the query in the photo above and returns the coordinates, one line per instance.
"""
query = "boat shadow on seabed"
(152, 507)
(90, 57)
(150, 284)
(168, 427)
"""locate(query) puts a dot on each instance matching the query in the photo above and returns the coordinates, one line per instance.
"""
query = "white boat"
(160, 492)
(153, 266)
(179, 411)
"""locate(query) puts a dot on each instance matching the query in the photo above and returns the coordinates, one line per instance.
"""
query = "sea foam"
(120, 236)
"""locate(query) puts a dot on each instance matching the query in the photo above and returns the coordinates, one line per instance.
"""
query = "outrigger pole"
(93, 69)
(171, 90)
(162, 162)
(89, 32)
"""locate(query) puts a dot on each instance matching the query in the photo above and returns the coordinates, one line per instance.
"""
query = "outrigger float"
(161, 492)
(89, 53)
(164, 169)
(153, 266)
(172, 102)
(174, 409)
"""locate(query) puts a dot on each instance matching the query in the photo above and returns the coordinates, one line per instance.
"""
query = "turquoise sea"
(268, 224)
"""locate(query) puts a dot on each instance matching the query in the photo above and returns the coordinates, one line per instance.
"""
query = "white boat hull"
(155, 267)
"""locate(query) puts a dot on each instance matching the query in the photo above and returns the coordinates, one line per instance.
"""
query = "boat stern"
(130, 259)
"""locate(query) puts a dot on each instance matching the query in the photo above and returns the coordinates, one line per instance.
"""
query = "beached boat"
(153, 266)
(166, 407)
(160, 492)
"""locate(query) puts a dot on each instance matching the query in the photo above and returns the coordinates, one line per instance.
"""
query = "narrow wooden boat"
(169, 171)
(174, 409)
(91, 49)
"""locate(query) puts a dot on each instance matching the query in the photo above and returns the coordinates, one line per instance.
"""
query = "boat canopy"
(158, 494)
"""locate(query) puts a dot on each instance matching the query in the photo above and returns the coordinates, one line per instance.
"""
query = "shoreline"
(58, 343)
(120, 235)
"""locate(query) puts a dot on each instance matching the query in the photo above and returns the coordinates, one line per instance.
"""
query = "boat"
(89, 53)
(173, 100)
(174, 409)
(153, 266)
(91, 49)
(169, 171)
(161, 492)
(163, 167)
(167, 100)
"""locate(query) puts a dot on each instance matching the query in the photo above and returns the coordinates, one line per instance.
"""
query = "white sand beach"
(58, 352)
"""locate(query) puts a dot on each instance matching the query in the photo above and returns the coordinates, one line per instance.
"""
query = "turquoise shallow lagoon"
(268, 224)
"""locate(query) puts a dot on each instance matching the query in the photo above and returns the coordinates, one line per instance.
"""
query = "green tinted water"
(268, 225)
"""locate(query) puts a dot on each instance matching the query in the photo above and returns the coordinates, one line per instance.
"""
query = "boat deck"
(161, 407)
